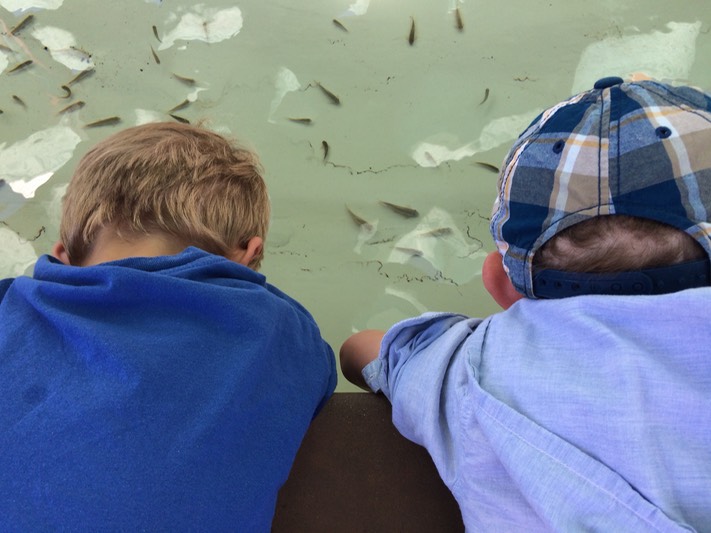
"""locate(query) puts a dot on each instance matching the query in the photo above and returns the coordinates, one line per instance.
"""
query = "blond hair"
(616, 243)
(184, 181)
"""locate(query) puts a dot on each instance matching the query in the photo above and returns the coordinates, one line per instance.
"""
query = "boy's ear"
(60, 252)
(244, 256)
(497, 282)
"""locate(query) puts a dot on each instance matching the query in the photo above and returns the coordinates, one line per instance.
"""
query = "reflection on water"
(349, 107)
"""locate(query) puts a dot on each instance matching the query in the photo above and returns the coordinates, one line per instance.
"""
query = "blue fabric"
(591, 413)
(156, 394)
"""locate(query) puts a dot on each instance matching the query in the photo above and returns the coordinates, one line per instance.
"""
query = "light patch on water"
(29, 163)
(437, 247)
(16, 6)
(661, 55)
(18, 254)
(27, 188)
(409, 298)
(360, 7)
(202, 23)
(63, 47)
(285, 83)
(440, 148)
(146, 116)
(4, 62)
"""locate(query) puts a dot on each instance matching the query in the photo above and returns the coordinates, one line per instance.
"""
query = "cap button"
(610, 81)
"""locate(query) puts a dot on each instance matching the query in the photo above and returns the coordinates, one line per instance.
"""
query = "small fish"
(487, 166)
(414, 252)
(6, 49)
(82, 54)
(109, 121)
(334, 99)
(407, 212)
(304, 121)
(486, 96)
(180, 119)
(155, 32)
(21, 66)
(411, 37)
(72, 107)
(363, 223)
(325, 147)
(458, 20)
(182, 79)
(82, 75)
(339, 25)
(438, 232)
(155, 56)
(430, 159)
(24, 22)
(182, 105)
(67, 90)
(19, 100)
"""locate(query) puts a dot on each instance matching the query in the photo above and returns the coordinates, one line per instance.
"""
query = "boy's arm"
(360, 349)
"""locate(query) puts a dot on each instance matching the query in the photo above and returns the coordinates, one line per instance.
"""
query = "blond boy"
(152, 379)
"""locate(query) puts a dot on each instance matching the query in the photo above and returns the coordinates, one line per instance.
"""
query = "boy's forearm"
(360, 349)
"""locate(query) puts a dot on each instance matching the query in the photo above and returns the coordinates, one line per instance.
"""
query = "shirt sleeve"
(422, 370)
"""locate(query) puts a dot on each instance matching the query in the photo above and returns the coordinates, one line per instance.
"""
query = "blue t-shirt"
(590, 413)
(157, 394)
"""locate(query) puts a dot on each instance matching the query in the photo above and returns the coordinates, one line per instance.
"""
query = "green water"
(412, 123)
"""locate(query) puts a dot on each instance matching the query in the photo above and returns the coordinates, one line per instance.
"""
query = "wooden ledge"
(355, 473)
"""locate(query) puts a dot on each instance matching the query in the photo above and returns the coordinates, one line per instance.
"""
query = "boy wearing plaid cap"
(586, 404)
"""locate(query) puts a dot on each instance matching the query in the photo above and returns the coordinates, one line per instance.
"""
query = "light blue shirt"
(590, 413)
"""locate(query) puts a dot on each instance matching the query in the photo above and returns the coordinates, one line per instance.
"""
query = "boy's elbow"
(357, 352)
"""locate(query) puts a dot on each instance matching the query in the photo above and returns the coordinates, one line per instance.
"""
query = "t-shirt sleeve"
(422, 369)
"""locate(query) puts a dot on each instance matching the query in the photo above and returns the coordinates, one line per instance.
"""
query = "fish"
(334, 99)
(411, 37)
(486, 96)
(487, 166)
(339, 25)
(82, 75)
(19, 100)
(180, 119)
(6, 48)
(414, 252)
(430, 159)
(67, 90)
(459, 24)
(325, 147)
(155, 56)
(363, 223)
(72, 107)
(109, 121)
(24, 22)
(155, 32)
(438, 232)
(182, 105)
(407, 212)
(182, 79)
(304, 121)
(20, 66)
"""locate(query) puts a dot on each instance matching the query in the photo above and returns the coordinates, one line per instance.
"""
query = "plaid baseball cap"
(641, 149)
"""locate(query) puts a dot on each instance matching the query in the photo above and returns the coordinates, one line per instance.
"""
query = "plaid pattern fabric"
(641, 149)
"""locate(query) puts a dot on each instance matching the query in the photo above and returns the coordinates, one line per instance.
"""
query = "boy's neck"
(111, 247)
